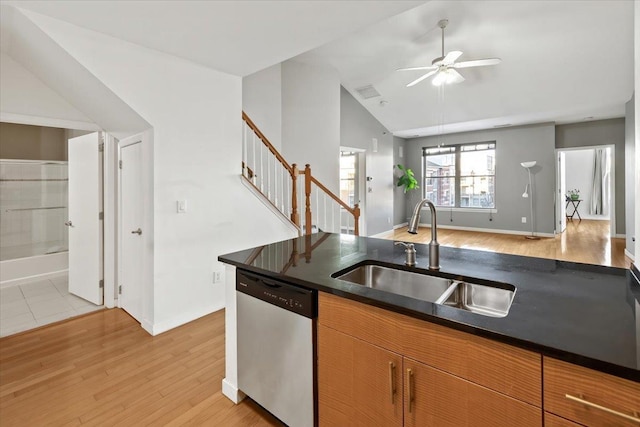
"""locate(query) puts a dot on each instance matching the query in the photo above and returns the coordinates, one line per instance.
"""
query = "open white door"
(85, 225)
(132, 233)
(561, 211)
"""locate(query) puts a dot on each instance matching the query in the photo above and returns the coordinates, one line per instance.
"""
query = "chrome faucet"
(434, 246)
(410, 250)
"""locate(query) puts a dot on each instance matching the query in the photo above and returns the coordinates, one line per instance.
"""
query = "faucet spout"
(434, 246)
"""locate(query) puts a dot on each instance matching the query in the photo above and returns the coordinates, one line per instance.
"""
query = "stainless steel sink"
(481, 299)
(492, 300)
(402, 282)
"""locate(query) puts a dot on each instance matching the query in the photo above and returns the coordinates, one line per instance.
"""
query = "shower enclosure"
(34, 240)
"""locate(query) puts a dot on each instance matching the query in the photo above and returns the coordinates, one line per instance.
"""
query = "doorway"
(585, 178)
(352, 183)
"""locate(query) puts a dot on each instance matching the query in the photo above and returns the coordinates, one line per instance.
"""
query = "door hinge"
(101, 215)
(101, 147)
(120, 290)
(101, 137)
(101, 283)
(120, 164)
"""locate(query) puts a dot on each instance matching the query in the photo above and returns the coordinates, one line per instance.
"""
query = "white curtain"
(600, 187)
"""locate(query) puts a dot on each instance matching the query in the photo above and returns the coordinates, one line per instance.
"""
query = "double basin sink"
(487, 298)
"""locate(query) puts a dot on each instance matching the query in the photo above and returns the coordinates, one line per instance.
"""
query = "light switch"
(182, 206)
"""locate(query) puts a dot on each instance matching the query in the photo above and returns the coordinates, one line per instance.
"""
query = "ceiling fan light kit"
(444, 67)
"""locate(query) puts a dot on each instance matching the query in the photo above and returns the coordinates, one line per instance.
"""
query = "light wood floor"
(583, 241)
(104, 369)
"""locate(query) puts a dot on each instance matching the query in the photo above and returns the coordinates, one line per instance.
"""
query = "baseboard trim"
(488, 230)
(184, 318)
(620, 236)
(404, 224)
(232, 392)
(28, 279)
(629, 255)
(381, 234)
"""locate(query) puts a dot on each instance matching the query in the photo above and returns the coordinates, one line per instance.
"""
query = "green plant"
(407, 179)
(573, 194)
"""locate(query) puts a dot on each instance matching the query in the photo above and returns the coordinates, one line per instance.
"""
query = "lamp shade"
(528, 164)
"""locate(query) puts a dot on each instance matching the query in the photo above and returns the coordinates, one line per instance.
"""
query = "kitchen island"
(583, 314)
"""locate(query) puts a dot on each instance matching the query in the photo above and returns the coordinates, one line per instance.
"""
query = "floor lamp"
(529, 189)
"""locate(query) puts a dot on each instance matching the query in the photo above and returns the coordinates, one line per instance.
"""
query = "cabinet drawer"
(366, 322)
(605, 400)
(500, 367)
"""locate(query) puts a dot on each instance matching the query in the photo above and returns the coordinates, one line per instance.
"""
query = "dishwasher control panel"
(289, 297)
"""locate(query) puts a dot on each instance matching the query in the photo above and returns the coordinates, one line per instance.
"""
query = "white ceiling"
(562, 61)
(237, 37)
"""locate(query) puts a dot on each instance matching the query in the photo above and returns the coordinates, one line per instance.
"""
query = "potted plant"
(573, 194)
(407, 180)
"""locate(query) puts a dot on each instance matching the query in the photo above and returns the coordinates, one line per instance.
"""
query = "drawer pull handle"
(410, 389)
(392, 381)
(603, 408)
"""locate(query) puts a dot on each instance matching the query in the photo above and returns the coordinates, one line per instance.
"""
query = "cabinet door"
(435, 398)
(551, 420)
(359, 384)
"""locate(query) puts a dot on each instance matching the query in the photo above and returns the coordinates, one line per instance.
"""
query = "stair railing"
(324, 211)
(270, 174)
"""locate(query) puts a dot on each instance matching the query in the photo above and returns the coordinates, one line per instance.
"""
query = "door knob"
(68, 223)
(138, 231)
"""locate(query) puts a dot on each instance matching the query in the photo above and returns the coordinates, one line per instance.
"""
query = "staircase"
(285, 188)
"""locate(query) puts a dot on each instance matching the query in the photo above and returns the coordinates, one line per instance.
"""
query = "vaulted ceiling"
(562, 61)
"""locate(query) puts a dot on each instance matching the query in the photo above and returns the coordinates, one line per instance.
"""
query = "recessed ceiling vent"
(367, 92)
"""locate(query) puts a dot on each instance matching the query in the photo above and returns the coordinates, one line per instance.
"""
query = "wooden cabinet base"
(443, 400)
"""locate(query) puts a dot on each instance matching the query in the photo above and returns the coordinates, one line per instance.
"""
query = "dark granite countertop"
(581, 313)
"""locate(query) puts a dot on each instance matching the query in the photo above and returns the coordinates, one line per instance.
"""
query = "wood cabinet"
(551, 420)
(589, 397)
(434, 398)
(358, 383)
(364, 353)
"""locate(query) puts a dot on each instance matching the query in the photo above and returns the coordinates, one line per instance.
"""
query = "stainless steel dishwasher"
(276, 334)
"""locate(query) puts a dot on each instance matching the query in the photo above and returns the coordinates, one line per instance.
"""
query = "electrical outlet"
(524, 219)
(217, 276)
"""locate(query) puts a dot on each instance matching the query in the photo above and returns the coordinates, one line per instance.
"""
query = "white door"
(132, 234)
(85, 225)
(561, 211)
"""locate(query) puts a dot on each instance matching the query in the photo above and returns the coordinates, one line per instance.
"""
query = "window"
(460, 175)
(348, 173)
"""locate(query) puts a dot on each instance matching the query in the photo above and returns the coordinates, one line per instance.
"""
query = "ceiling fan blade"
(430, 67)
(419, 79)
(454, 76)
(451, 57)
(477, 63)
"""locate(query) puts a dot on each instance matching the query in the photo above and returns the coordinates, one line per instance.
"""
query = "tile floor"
(39, 303)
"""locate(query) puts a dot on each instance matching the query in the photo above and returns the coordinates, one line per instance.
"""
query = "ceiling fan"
(444, 67)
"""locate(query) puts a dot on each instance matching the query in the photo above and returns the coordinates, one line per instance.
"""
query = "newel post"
(307, 194)
(356, 219)
(295, 216)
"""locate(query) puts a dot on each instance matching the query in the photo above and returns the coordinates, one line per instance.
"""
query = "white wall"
(579, 175)
(357, 130)
(311, 119)
(26, 99)
(637, 122)
(262, 101)
(195, 114)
